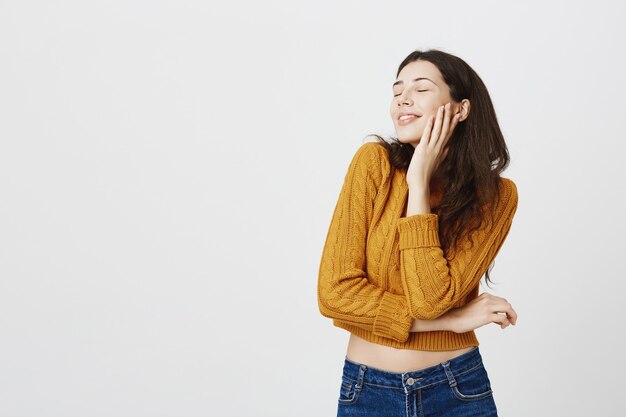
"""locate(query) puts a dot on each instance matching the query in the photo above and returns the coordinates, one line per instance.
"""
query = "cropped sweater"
(379, 271)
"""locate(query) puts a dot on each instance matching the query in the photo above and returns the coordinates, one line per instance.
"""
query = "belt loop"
(359, 382)
(446, 367)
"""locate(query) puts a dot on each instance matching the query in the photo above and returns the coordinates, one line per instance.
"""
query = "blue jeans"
(457, 387)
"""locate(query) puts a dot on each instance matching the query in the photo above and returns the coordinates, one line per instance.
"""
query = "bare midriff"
(396, 360)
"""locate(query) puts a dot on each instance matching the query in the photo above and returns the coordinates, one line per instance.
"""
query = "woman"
(418, 222)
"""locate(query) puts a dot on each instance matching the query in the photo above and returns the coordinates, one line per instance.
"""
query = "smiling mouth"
(405, 120)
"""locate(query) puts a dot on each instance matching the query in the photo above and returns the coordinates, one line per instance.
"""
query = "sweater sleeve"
(344, 291)
(432, 283)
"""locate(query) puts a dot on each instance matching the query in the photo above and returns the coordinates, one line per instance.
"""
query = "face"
(421, 98)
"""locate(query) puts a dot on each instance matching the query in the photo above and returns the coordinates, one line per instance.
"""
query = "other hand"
(484, 309)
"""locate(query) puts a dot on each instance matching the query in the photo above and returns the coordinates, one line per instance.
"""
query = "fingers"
(454, 120)
(507, 308)
(500, 319)
(434, 136)
(437, 132)
(443, 127)
(445, 153)
(426, 134)
(501, 305)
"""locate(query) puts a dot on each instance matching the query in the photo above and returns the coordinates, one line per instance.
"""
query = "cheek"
(432, 112)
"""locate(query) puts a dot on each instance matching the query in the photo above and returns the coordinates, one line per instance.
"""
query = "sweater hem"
(438, 340)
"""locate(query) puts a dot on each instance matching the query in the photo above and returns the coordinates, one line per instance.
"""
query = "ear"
(464, 109)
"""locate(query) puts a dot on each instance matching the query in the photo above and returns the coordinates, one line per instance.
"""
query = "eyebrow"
(417, 79)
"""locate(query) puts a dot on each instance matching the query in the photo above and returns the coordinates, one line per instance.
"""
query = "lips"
(406, 118)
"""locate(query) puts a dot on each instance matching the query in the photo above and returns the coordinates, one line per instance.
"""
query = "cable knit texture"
(379, 271)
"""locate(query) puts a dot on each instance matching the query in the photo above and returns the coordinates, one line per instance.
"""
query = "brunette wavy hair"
(470, 173)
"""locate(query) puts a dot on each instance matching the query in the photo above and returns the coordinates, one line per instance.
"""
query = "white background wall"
(168, 170)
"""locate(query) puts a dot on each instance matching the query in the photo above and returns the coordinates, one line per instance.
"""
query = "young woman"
(419, 221)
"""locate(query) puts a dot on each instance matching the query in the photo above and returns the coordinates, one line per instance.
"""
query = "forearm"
(443, 322)
(418, 201)
(436, 278)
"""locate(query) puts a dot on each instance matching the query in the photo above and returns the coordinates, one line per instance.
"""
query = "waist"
(415, 378)
(397, 360)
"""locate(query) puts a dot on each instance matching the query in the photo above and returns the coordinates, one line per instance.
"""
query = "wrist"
(448, 322)
(440, 323)
(418, 187)
(418, 200)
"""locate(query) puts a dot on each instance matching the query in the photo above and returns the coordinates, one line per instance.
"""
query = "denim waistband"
(360, 373)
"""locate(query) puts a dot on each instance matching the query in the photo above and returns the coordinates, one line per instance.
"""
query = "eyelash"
(396, 95)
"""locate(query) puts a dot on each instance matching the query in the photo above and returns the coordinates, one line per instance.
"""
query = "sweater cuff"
(393, 320)
(418, 230)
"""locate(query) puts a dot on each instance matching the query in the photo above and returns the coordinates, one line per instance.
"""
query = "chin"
(408, 139)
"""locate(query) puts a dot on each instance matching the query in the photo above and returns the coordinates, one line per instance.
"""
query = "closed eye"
(396, 95)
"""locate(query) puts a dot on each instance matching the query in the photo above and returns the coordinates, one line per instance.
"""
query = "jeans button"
(410, 381)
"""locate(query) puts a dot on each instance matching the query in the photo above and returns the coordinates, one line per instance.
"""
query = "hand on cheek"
(431, 148)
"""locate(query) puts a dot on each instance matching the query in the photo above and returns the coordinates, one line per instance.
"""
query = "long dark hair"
(470, 173)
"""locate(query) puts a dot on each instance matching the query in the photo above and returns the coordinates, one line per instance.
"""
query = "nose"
(403, 100)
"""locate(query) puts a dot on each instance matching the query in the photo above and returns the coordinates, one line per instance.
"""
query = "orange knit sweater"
(379, 271)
